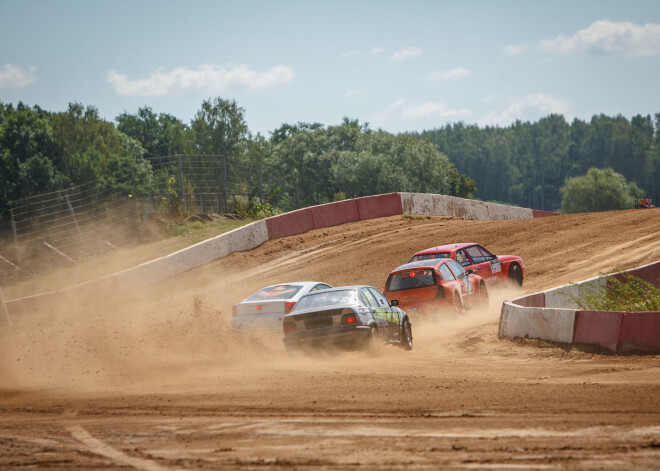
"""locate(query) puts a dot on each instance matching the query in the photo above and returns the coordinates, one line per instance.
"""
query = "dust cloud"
(156, 341)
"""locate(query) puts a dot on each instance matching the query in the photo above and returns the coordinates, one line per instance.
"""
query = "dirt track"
(155, 380)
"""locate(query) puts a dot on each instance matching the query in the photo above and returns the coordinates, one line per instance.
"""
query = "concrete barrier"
(380, 206)
(640, 331)
(598, 327)
(442, 205)
(562, 297)
(551, 324)
(334, 214)
(615, 331)
(288, 224)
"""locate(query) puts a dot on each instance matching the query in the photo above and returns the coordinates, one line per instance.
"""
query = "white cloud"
(623, 38)
(13, 76)
(377, 50)
(526, 108)
(405, 111)
(208, 78)
(442, 75)
(349, 53)
(406, 53)
(515, 49)
(351, 93)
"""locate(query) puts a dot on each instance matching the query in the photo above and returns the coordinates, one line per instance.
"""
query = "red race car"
(494, 269)
(429, 285)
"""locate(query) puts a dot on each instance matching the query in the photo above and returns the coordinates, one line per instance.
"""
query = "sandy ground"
(156, 380)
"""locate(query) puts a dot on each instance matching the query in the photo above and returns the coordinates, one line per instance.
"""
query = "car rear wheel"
(406, 336)
(457, 304)
(372, 342)
(515, 275)
(483, 296)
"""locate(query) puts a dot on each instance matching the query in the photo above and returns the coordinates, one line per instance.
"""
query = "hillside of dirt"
(155, 379)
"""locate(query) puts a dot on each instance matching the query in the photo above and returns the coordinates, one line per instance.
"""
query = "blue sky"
(400, 66)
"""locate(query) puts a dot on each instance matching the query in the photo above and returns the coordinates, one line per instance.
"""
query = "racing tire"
(456, 304)
(372, 342)
(406, 336)
(483, 296)
(515, 275)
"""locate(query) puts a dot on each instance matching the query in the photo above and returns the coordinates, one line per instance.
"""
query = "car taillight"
(288, 306)
(289, 327)
(348, 319)
(234, 311)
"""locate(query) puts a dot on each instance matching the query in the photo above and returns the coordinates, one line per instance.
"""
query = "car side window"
(458, 270)
(462, 258)
(379, 297)
(320, 287)
(486, 253)
(446, 272)
(475, 254)
(371, 300)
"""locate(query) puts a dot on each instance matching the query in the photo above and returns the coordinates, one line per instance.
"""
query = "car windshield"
(275, 292)
(410, 280)
(429, 256)
(327, 299)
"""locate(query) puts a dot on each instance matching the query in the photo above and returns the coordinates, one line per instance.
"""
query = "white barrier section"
(556, 325)
(561, 297)
(426, 204)
(244, 238)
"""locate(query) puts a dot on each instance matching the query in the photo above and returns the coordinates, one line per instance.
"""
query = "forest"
(525, 164)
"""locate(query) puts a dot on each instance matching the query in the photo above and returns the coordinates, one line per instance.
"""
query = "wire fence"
(96, 217)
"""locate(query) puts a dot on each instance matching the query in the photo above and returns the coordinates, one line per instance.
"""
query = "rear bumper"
(335, 336)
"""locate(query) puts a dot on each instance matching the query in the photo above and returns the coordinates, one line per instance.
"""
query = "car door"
(467, 287)
(481, 262)
(377, 312)
(391, 315)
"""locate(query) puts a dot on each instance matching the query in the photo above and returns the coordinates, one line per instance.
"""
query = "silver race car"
(265, 309)
(356, 316)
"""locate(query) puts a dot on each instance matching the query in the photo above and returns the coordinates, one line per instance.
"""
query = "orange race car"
(494, 269)
(431, 285)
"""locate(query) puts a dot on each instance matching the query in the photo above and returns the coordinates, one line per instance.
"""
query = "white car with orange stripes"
(265, 309)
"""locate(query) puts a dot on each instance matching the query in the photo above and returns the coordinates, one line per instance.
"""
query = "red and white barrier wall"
(552, 315)
(284, 225)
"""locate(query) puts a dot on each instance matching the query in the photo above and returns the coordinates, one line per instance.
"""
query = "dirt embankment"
(156, 380)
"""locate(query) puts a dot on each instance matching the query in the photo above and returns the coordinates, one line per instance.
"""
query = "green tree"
(598, 190)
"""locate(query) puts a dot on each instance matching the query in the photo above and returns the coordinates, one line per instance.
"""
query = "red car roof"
(445, 248)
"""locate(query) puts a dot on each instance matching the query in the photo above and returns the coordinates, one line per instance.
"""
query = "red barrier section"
(640, 331)
(532, 300)
(333, 214)
(650, 273)
(537, 213)
(287, 224)
(599, 327)
(371, 207)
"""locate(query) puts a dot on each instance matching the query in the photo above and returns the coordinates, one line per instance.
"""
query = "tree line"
(302, 164)
(528, 164)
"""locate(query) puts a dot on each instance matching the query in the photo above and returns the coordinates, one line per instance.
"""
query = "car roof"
(299, 283)
(341, 288)
(420, 264)
(445, 248)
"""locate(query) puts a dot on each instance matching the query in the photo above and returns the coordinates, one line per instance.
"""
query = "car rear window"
(327, 299)
(411, 280)
(275, 292)
(429, 256)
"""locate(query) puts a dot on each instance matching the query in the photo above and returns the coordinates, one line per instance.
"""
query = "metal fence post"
(75, 220)
(183, 196)
(4, 313)
(13, 228)
(224, 183)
